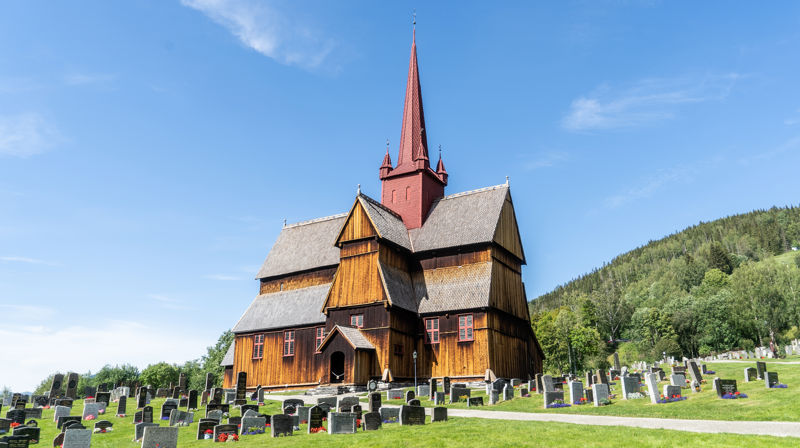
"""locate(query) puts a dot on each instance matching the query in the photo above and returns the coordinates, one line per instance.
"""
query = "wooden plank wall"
(507, 233)
(358, 226)
(306, 366)
(298, 281)
(358, 280)
(507, 292)
(511, 340)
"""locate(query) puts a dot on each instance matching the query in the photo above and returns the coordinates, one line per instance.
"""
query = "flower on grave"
(101, 411)
(14, 424)
(90, 417)
(208, 431)
(222, 437)
(235, 437)
(737, 393)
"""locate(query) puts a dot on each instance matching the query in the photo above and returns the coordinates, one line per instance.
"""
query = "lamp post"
(415, 371)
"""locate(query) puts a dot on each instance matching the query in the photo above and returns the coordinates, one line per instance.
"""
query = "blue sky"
(150, 151)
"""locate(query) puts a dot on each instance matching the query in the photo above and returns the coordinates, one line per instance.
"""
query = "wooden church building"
(352, 297)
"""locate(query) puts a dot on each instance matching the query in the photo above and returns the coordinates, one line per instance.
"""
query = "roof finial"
(414, 19)
(359, 190)
(506, 180)
(387, 145)
(284, 222)
(440, 151)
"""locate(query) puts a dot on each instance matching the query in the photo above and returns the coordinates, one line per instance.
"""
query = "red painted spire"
(413, 141)
(440, 168)
(386, 166)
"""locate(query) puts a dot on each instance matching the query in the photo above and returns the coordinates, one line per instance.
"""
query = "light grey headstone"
(253, 422)
(575, 391)
(91, 409)
(60, 411)
(139, 430)
(670, 390)
(547, 383)
(677, 380)
(160, 437)
(180, 418)
(630, 385)
(494, 396)
(508, 392)
(77, 438)
(394, 394)
(599, 393)
(552, 396)
(423, 390)
(651, 380)
(390, 415)
(341, 423)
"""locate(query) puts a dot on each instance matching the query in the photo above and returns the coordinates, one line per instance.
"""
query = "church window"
(465, 327)
(432, 330)
(288, 343)
(320, 337)
(258, 346)
(408, 193)
(357, 320)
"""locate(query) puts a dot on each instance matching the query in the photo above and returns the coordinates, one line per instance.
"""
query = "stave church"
(416, 284)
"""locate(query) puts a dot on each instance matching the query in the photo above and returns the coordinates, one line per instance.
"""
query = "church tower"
(410, 188)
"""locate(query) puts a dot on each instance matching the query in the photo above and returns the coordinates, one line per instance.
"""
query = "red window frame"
(288, 343)
(466, 328)
(357, 320)
(432, 330)
(258, 346)
(320, 336)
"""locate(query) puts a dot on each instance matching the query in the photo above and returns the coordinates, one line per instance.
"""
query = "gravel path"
(780, 429)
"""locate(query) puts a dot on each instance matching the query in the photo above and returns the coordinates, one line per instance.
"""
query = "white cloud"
(25, 134)
(23, 260)
(39, 350)
(650, 187)
(647, 101)
(546, 160)
(262, 27)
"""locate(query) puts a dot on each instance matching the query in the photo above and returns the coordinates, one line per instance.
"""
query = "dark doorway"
(337, 367)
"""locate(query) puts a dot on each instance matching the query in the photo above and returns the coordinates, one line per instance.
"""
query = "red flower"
(235, 437)
(14, 425)
(208, 431)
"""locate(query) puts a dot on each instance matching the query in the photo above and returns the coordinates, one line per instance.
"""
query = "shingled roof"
(353, 336)
(398, 286)
(388, 224)
(284, 309)
(304, 246)
(461, 219)
(453, 288)
(227, 360)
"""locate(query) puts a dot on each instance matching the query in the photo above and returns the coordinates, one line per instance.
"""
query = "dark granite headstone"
(241, 386)
(372, 421)
(103, 397)
(725, 387)
(122, 405)
(147, 414)
(58, 440)
(32, 433)
(439, 414)
(446, 384)
(206, 425)
(315, 415)
(55, 386)
(761, 367)
(209, 381)
(14, 441)
(137, 417)
(281, 424)
(72, 386)
(166, 409)
(68, 418)
(348, 402)
(414, 402)
(224, 408)
(374, 401)
(434, 383)
(103, 425)
(225, 429)
(16, 416)
(770, 379)
(235, 420)
(191, 403)
(474, 401)
(412, 415)
(253, 407)
(410, 395)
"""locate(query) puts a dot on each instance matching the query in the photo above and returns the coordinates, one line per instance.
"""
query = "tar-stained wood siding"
(357, 226)
(298, 281)
(507, 233)
(357, 282)
(375, 330)
(227, 378)
(457, 259)
(306, 366)
(511, 340)
(507, 292)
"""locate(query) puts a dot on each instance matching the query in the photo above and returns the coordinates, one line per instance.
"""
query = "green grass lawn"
(762, 404)
(466, 432)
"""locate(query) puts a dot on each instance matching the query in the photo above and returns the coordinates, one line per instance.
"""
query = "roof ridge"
(315, 220)
(479, 190)
(375, 202)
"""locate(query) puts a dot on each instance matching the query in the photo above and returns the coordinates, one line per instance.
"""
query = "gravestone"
(617, 366)
(141, 399)
(282, 424)
(122, 406)
(160, 437)
(331, 402)
(224, 408)
(630, 385)
(341, 423)
(371, 421)
(694, 372)
(494, 396)
(55, 386)
(439, 414)
(770, 379)
(750, 374)
(438, 398)
(539, 388)
(103, 397)
(16, 416)
(601, 375)
(192, 400)
(434, 383)
(390, 415)
(725, 387)
(234, 420)
(671, 390)
(374, 402)
(103, 426)
(410, 395)
(474, 401)
(290, 405)
(302, 413)
(72, 386)
(348, 402)
(315, 415)
(599, 393)
(60, 411)
(90, 411)
(446, 384)
(677, 380)
(508, 392)
(41, 401)
(761, 367)
(414, 402)
(575, 391)
(182, 381)
(5, 425)
(14, 441)
(138, 430)
(77, 438)
(457, 392)
(651, 380)
(423, 390)
(180, 418)
(551, 396)
(147, 414)
(217, 395)
(547, 383)
(66, 419)
(206, 425)
(258, 423)
(241, 386)
(228, 429)
(58, 441)
(209, 381)
(394, 394)
(214, 414)
(72, 424)
(32, 433)
(166, 409)
(412, 415)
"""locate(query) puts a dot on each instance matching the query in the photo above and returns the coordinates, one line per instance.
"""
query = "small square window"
(288, 343)
(465, 328)
(357, 320)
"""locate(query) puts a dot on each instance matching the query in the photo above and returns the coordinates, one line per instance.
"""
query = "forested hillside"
(729, 283)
